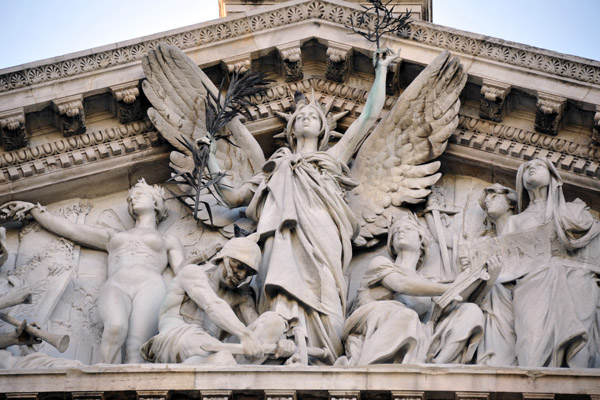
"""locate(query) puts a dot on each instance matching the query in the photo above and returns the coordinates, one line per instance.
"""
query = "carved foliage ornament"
(12, 128)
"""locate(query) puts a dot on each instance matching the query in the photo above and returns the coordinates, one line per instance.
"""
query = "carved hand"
(494, 265)
(251, 345)
(23, 338)
(384, 57)
(15, 210)
(285, 348)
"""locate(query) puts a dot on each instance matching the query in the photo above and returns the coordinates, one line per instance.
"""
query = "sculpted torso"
(139, 250)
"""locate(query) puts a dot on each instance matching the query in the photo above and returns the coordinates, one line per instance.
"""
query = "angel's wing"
(393, 165)
(177, 89)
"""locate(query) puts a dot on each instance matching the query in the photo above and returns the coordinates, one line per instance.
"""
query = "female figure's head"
(307, 123)
(144, 198)
(407, 234)
(535, 180)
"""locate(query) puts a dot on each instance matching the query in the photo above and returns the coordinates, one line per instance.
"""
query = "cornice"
(332, 11)
(77, 150)
(523, 145)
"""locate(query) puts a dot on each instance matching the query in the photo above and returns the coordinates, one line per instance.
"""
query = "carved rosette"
(70, 118)
(12, 127)
(549, 113)
(596, 128)
(291, 61)
(338, 61)
(240, 64)
(492, 104)
(127, 102)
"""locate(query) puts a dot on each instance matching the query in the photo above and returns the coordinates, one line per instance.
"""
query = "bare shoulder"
(172, 241)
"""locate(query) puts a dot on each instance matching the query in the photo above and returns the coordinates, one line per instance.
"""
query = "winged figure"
(307, 203)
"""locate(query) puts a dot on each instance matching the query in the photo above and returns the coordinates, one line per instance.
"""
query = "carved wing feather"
(177, 89)
(394, 165)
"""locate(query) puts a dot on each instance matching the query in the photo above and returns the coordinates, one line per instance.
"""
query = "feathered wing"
(177, 90)
(394, 165)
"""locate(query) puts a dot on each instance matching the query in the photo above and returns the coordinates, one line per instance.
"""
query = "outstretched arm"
(89, 236)
(345, 148)
(413, 285)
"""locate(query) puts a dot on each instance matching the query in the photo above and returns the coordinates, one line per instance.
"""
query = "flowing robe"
(383, 329)
(307, 229)
(556, 306)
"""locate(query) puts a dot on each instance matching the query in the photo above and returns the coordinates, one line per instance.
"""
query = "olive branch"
(219, 111)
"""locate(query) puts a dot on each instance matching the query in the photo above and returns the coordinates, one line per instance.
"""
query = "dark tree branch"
(385, 22)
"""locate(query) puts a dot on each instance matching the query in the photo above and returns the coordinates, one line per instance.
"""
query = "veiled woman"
(555, 305)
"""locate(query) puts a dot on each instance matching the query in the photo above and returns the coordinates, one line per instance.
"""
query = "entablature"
(389, 382)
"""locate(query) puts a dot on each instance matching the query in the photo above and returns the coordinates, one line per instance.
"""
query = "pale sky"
(32, 30)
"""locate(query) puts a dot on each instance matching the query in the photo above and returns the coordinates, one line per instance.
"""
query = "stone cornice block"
(596, 128)
(22, 396)
(280, 395)
(408, 395)
(549, 112)
(127, 103)
(152, 394)
(344, 395)
(70, 118)
(216, 394)
(127, 92)
(472, 396)
(291, 61)
(492, 104)
(12, 128)
(393, 77)
(339, 56)
(240, 64)
(87, 395)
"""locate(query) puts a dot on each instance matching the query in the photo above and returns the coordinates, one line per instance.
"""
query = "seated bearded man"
(207, 303)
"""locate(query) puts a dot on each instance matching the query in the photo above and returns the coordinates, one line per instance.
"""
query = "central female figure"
(305, 224)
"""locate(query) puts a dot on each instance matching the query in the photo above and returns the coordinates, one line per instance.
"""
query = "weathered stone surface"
(70, 115)
(127, 102)
(291, 61)
(12, 128)
(550, 109)
(339, 57)
(492, 105)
